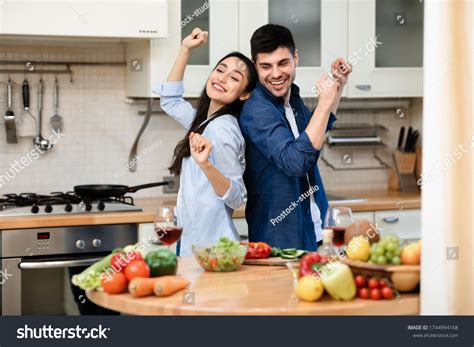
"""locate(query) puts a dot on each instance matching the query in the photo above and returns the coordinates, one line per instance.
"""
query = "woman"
(211, 184)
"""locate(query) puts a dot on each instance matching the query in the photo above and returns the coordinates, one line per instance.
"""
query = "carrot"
(141, 286)
(167, 285)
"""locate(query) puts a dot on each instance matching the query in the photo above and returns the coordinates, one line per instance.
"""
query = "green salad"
(226, 255)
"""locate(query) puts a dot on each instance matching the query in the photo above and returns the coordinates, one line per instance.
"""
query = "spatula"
(56, 121)
(10, 123)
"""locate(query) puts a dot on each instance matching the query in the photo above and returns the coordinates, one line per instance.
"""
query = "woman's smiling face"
(227, 82)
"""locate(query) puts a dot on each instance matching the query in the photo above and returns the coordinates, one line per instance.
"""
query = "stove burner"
(69, 202)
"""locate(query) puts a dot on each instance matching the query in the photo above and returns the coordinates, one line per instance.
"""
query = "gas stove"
(59, 203)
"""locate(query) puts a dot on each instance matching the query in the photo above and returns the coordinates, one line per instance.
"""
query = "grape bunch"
(386, 251)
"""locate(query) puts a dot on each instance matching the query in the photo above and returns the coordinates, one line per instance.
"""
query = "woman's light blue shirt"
(204, 216)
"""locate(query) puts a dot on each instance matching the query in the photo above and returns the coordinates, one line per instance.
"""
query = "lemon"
(309, 288)
(358, 248)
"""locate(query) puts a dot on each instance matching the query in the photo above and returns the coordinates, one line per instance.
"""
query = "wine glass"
(167, 229)
(338, 219)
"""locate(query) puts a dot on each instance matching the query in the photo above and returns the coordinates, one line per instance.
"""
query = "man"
(286, 202)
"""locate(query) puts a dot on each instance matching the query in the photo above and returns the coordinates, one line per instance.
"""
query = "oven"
(35, 263)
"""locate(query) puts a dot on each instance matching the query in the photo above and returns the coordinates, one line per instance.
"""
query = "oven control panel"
(66, 240)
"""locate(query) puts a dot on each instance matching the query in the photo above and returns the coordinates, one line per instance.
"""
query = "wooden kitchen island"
(251, 290)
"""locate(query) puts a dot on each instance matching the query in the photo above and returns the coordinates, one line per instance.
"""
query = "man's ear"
(296, 57)
(245, 96)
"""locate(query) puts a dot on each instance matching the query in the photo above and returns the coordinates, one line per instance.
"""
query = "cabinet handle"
(391, 220)
(364, 87)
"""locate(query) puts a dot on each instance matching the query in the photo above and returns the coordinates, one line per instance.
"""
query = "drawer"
(364, 216)
(406, 224)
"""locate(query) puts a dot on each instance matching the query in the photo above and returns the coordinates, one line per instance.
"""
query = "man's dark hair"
(269, 37)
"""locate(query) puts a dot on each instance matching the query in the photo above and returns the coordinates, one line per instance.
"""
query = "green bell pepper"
(162, 263)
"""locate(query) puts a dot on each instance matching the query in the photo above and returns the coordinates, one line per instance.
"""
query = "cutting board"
(272, 261)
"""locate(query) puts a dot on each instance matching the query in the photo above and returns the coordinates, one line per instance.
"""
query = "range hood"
(146, 19)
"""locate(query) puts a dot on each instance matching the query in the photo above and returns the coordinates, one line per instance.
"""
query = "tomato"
(121, 260)
(383, 283)
(387, 293)
(360, 281)
(363, 293)
(212, 262)
(118, 262)
(373, 283)
(375, 294)
(134, 255)
(114, 284)
(137, 268)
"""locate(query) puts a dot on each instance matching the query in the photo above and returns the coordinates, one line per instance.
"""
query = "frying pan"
(102, 191)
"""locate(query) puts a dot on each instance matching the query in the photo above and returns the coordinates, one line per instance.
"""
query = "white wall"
(99, 126)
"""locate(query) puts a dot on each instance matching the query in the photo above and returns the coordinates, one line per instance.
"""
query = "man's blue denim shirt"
(278, 204)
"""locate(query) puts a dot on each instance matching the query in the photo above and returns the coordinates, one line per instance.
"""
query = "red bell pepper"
(258, 250)
(308, 262)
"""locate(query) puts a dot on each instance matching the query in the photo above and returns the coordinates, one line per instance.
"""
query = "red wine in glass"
(338, 236)
(167, 229)
(338, 218)
(168, 234)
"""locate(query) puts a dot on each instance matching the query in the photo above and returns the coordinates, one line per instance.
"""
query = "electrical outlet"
(173, 186)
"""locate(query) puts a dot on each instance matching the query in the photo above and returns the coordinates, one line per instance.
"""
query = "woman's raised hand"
(200, 148)
(195, 39)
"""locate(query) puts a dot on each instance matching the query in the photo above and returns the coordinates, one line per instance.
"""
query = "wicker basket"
(404, 278)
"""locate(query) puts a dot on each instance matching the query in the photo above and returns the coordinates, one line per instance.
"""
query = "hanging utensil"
(26, 95)
(39, 140)
(56, 121)
(133, 152)
(27, 129)
(9, 117)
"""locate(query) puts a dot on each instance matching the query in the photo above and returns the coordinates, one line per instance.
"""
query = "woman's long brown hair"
(183, 149)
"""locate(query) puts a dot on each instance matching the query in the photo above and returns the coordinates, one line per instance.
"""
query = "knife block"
(404, 169)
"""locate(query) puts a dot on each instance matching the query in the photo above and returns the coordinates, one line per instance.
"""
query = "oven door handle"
(34, 265)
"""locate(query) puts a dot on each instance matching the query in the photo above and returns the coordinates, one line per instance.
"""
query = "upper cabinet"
(385, 44)
(319, 29)
(383, 39)
(126, 19)
(150, 62)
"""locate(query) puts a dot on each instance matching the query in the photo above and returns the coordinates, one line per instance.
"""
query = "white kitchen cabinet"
(385, 45)
(319, 28)
(383, 39)
(406, 224)
(126, 19)
(364, 216)
(150, 62)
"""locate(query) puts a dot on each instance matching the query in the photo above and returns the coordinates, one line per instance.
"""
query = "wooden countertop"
(146, 216)
(251, 290)
(376, 201)
(382, 200)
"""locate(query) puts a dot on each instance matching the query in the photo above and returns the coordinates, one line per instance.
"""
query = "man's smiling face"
(277, 70)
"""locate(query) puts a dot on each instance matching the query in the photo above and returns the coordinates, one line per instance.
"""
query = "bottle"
(327, 249)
